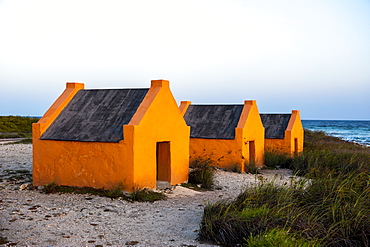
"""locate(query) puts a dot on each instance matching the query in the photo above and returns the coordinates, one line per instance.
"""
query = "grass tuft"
(330, 209)
(55, 188)
(115, 192)
(202, 173)
(140, 195)
(250, 167)
(282, 238)
(275, 159)
(146, 195)
(235, 167)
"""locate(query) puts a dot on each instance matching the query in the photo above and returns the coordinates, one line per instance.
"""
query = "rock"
(40, 187)
(24, 186)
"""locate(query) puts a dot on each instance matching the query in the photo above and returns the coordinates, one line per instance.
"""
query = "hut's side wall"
(224, 153)
(276, 145)
(98, 165)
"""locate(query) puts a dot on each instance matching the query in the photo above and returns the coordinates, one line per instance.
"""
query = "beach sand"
(30, 217)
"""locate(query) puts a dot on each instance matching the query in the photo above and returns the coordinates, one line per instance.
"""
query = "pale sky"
(309, 55)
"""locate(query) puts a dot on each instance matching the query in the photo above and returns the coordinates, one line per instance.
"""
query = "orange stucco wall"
(230, 153)
(97, 165)
(224, 153)
(293, 131)
(131, 162)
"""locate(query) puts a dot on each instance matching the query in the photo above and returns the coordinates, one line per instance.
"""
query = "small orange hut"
(105, 137)
(283, 132)
(230, 135)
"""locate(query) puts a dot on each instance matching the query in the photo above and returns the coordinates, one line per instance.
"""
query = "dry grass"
(332, 210)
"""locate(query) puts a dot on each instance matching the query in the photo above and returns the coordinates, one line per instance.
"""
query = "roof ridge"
(91, 89)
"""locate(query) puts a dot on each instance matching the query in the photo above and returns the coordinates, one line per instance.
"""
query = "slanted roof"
(213, 121)
(96, 115)
(275, 125)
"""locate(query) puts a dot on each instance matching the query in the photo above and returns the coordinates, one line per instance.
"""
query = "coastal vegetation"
(201, 173)
(139, 195)
(16, 126)
(326, 205)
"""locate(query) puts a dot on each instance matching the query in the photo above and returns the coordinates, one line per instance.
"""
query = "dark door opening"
(163, 161)
(252, 153)
(295, 145)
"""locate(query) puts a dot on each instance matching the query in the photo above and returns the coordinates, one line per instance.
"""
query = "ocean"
(350, 130)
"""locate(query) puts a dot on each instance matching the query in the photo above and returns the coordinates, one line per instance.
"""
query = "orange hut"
(105, 137)
(230, 135)
(283, 132)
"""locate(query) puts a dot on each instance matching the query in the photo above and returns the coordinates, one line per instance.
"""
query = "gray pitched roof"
(275, 125)
(213, 121)
(96, 115)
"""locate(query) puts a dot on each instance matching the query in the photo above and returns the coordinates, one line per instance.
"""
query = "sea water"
(349, 130)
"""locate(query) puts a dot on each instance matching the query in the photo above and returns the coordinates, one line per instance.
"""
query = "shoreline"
(355, 131)
(11, 140)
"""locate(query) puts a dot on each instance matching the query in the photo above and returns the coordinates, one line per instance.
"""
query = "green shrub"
(323, 155)
(221, 224)
(250, 167)
(275, 159)
(235, 167)
(146, 195)
(55, 188)
(16, 124)
(51, 188)
(334, 210)
(115, 192)
(202, 173)
(338, 208)
(280, 237)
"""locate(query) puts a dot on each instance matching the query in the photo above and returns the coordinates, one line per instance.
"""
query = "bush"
(334, 211)
(280, 237)
(115, 192)
(235, 167)
(146, 195)
(331, 209)
(250, 167)
(16, 124)
(274, 159)
(202, 173)
(55, 188)
(323, 155)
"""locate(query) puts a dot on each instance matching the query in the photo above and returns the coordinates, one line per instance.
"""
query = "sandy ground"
(30, 217)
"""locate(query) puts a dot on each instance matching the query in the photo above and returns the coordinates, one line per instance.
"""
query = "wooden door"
(163, 161)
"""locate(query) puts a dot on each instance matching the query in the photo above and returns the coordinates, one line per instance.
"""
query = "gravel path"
(30, 217)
